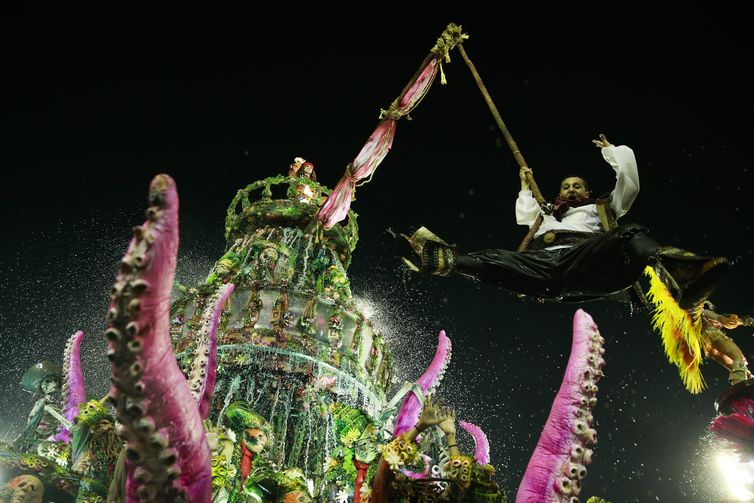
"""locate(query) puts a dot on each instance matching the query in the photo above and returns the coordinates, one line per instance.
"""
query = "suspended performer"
(576, 250)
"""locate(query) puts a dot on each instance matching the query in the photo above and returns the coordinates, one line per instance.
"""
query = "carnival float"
(265, 382)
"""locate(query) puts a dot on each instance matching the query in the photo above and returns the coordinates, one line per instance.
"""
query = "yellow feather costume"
(681, 332)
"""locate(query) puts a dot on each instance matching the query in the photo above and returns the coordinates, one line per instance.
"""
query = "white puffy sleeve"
(623, 161)
(527, 208)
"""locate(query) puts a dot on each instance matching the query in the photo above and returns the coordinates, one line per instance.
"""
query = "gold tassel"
(452, 36)
(680, 330)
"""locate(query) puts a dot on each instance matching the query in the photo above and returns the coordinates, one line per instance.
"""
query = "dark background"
(93, 109)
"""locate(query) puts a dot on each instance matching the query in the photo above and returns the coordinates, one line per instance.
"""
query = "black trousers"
(604, 264)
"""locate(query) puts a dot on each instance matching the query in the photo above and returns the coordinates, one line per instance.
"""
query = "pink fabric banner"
(378, 145)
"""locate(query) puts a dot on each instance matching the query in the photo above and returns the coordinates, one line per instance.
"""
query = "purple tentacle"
(74, 392)
(167, 452)
(557, 465)
(482, 449)
(204, 371)
(409, 412)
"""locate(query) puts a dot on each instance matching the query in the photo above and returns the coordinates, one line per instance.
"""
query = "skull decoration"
(26, 489)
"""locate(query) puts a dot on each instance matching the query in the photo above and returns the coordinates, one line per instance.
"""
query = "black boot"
(692, 278)
(425, 252)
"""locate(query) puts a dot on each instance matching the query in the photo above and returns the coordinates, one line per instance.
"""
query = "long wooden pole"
(500, 124)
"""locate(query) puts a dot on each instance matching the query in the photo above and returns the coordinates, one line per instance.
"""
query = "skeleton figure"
(44, 379)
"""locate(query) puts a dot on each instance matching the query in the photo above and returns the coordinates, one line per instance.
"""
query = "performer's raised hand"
(447, 421)
(602, 142)
(431, 414)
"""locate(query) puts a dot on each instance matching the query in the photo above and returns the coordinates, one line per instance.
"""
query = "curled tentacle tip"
(443, 336)
(584, 316)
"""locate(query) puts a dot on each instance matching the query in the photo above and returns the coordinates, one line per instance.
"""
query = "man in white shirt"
(574, 210)
(578, 251)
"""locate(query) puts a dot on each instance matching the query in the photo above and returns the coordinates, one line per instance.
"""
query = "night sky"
(92, 111)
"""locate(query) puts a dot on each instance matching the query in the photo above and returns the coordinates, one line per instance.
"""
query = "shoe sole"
(705, 284)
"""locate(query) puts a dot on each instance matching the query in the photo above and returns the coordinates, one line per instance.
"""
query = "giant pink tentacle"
(204, 371)
(74, 392)
(558, 463)
(482, 445)
(409, 412)
(167, 451)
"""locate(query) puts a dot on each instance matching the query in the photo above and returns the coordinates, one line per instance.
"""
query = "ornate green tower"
(292, 345)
